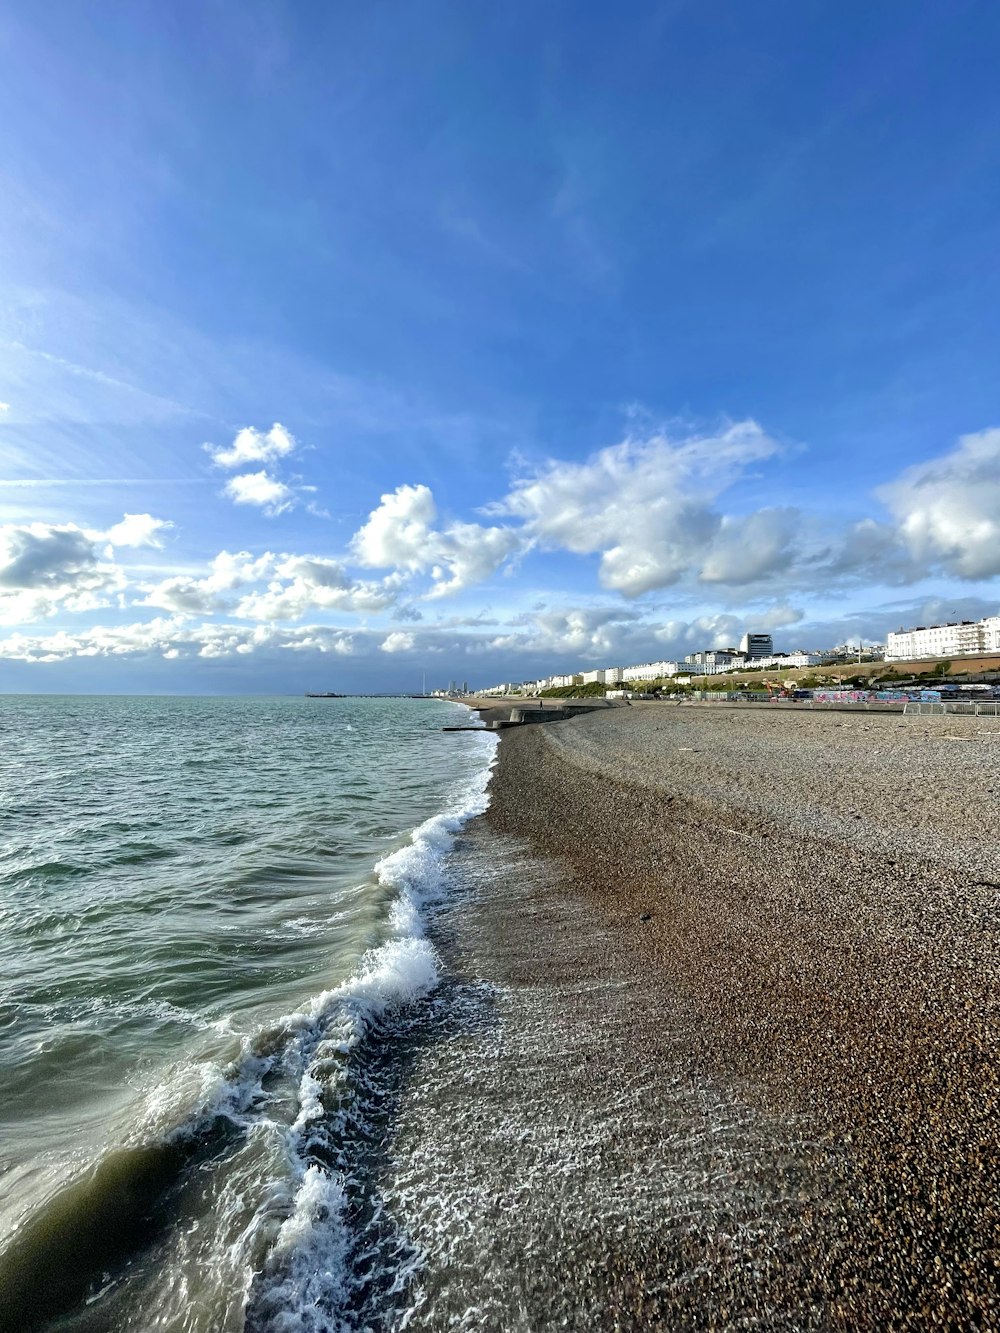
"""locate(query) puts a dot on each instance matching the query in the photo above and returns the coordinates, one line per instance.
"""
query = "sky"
(352, 347)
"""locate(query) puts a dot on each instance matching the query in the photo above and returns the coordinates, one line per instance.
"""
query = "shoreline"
(837, 954)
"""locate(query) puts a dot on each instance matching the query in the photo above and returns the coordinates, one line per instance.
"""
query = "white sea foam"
(308, 1264)
(306, 1282)
(417, 869)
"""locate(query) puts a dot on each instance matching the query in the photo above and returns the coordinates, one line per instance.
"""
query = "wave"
(300, 1080)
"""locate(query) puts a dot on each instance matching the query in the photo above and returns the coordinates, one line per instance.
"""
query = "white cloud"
(751, 549)
(4, 407)
(137, 530)
(263, 488)
(293, 586)
(397, 642)
(257, 488)
(400, 535)
(307, 583)
(186, 595)
(587, 633)
(947, 510)
(646, 506)
(46, 566)
(254, 446)
(174, 638)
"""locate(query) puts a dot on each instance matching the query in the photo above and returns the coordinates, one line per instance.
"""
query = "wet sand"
(807, 909)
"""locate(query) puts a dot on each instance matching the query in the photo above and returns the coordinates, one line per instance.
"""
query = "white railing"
(986, 708)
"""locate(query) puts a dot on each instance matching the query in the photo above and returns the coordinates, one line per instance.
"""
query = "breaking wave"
(297, 1246)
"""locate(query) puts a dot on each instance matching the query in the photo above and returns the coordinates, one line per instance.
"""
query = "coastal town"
(961, 639)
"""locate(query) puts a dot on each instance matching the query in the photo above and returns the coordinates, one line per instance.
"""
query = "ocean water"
(214, 959)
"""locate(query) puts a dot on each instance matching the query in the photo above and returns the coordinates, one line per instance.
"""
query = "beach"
(802, 908)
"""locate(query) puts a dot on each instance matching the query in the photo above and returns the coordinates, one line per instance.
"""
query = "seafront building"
(658, 670)
(756, 652)
(728, 659)
(956, 638)
(757, 645)
(714, 657)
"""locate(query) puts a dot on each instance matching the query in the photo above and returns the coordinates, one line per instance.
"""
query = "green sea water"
(210, 911)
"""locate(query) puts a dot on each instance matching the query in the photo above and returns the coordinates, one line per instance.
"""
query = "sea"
(216, 962)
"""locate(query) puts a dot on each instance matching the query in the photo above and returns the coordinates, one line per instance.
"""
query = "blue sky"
(489, 340)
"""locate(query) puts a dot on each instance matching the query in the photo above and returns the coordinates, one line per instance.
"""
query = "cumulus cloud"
(45, 556)
(4, 407)
(646, 507)
(578, 632)
(288, 588)
(748, 549)
(723, 629)
(46, 566)
(187, 595)
(401, 534)
(306, 583)
(253, 446)
(138, 530)
(174, 638)
(947, 510)
(261, 490)
(397, 642)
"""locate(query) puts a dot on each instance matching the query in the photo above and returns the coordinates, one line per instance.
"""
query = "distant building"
(651, 671)
(955, 638)
(779, 661)
(757, 645)
(715, 657)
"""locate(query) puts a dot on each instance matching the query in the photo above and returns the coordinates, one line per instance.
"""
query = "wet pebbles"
(817, 893)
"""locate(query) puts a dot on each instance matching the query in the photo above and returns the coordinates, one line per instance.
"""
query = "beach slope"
(819, 895)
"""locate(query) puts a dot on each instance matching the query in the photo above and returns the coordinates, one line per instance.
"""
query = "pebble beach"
(806, 905)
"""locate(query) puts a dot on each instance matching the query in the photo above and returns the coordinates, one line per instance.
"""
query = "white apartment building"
(778, 661)
(954, 639)
(649, 671)
(949, 640)
(796, 659)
